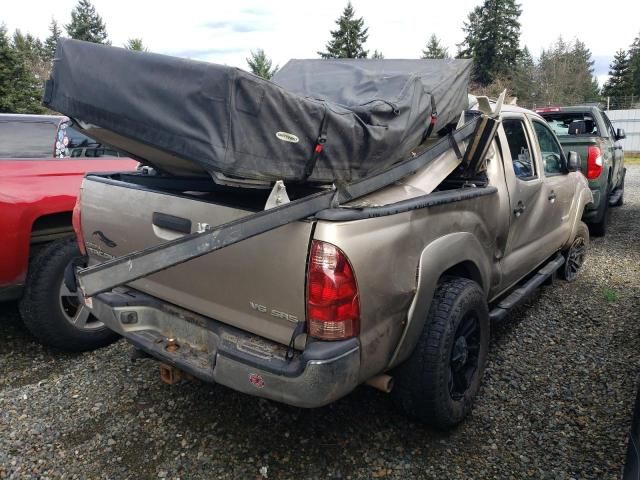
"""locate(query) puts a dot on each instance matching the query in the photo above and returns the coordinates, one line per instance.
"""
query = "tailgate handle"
(171, 222)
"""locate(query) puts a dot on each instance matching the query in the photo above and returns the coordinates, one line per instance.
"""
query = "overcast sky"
(226, 31)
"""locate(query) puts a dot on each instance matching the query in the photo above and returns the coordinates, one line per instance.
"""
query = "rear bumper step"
(521, 293)
(217, 353)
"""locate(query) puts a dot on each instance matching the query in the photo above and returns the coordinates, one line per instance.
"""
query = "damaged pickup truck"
(395, 287)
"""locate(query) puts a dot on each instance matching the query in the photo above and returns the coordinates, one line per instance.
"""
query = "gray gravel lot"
(556, 402)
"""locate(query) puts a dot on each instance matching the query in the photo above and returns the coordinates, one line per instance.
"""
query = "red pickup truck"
(40, 176)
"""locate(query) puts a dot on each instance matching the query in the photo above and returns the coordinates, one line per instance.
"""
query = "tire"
(599, 228)
(424, 386)
(575, 254)
(49, 309)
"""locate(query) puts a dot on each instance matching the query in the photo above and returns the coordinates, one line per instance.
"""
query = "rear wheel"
(576, 254)
(52, 313)
(439, 381)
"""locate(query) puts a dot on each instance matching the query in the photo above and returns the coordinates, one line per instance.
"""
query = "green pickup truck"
(587, 130)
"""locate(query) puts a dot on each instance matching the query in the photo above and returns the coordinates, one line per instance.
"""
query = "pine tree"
(378, 55)
(492, 39)
(348, 40)
(618, 85)
(566, 74)
(86, 24)
(435, 49)
(52, 40)
(260, 64)
(634, 67)
(20, 91)
(136, 45)
(523, 79)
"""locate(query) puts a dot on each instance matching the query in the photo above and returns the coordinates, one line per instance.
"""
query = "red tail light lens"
(594, 163)
(77, 226)
(333, 308)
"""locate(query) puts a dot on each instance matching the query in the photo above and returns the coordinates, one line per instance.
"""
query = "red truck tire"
(51, 312)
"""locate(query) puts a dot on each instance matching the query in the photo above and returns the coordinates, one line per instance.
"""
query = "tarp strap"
(319, 147)
(432, 122)
(299, 330)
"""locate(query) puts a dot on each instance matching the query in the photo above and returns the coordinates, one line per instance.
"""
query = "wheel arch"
(458, 254)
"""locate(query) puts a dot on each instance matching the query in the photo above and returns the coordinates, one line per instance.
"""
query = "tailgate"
(257, 285)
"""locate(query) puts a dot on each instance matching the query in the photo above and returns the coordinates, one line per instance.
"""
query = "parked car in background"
(39, 184)
(397, 286)
(588, 131)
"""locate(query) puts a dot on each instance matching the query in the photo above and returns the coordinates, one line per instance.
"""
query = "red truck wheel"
(51, 312)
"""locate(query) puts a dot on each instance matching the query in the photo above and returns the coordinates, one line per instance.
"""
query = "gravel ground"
(556, 402)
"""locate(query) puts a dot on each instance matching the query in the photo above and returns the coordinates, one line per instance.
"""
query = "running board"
(521, 293)
(478, 132)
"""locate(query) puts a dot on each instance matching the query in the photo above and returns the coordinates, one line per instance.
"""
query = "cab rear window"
(33, 139)
(575, 123)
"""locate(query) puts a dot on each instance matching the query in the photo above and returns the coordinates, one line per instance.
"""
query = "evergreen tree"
(618, 85)
(31, 54)
(348, 40)
(377, 54)
(566, 73)
(634, 67)
(260, 64)
(86, 24)
(435, 49)
(492, 39)
(135, 44)
(20, 91)
(523, 79)
(52, 40)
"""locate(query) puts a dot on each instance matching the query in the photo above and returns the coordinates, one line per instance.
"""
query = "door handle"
(520, 208)
(171, 222)
(552, 196)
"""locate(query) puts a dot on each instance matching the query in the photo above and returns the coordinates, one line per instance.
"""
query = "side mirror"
(620, 134)
(573, 162)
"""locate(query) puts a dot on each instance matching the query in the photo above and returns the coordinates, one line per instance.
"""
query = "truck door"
(617, 152)
(559, 190)
(530, 225)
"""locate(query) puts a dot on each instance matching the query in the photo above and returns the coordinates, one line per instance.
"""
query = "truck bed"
(229, 285)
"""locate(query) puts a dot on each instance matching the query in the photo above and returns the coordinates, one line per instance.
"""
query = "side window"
(520, 148)
(550, 149)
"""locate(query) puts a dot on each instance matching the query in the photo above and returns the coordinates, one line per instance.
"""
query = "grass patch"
(632, 159)
(609, 295)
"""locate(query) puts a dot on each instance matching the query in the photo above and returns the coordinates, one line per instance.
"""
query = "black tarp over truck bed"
(188, 117)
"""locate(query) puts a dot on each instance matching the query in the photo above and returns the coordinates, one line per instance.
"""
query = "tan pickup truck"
(396, 289)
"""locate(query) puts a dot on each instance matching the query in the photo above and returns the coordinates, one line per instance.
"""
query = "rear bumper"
(217, 353)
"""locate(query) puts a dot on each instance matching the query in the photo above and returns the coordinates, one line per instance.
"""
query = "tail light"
(333, 308)
(594, 163)
(77, 226)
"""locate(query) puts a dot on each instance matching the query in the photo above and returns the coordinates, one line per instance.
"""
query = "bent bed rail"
(480, 131)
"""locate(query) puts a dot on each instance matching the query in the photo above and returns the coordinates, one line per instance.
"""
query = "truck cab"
(588, 131)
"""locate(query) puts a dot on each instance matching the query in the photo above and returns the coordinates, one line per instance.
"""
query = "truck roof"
(573, 108)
